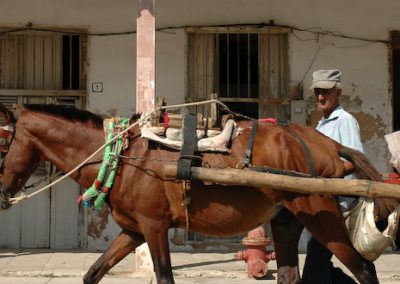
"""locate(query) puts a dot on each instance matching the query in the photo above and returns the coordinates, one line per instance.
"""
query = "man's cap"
(326, 79)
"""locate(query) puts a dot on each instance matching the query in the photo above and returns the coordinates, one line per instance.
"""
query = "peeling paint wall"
(372, 128)
(101, 229)
(364, 64)
(366, 94)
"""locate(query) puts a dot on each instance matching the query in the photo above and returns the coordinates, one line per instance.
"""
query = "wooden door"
(39, 68)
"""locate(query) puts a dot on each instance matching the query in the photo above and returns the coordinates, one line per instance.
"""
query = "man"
(342, 127)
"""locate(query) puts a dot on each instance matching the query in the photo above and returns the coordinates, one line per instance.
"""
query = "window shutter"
(274, 75)
(201, 58)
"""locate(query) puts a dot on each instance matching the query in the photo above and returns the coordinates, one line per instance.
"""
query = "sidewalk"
(56, 266)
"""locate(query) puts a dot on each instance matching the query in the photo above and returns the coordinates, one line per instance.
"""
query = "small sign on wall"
(97, 87)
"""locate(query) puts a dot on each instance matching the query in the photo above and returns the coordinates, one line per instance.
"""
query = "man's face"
(327, 99)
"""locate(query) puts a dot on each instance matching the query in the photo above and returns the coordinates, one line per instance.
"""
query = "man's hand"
(348, 167)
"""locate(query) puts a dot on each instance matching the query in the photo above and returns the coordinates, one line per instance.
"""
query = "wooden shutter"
(274, 76)
(201, 65)
(31, 61)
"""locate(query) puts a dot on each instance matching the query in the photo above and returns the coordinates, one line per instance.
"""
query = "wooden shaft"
(336, 186)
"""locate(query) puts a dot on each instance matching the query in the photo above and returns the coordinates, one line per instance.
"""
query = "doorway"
(396, 79)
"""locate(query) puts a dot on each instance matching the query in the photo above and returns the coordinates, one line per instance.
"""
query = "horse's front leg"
(120, 247)
(159, 249)
(286, 231)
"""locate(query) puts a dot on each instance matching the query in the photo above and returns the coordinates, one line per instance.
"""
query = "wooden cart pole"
(336, 186)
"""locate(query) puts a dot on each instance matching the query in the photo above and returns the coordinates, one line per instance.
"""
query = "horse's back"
(293, 147)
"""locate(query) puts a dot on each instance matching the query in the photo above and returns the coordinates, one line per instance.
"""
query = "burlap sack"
(364, 235)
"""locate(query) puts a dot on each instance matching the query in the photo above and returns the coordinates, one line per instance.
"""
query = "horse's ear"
(16, 109)
(15, 106)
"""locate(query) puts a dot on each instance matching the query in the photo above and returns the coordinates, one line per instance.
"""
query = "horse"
(146, 205)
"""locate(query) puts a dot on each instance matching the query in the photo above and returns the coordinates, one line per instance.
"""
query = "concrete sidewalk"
(56, 266)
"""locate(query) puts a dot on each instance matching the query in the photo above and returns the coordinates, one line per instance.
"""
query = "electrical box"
(298, 112)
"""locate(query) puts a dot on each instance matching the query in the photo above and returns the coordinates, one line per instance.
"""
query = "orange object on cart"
(393, 178)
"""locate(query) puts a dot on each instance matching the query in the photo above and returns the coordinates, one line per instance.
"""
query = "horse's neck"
(68, 145)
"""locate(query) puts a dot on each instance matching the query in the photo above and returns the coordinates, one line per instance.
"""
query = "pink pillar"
(145, 55)
(145, 89)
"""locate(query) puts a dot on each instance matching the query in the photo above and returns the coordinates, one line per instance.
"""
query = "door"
(42, 68)
(396, 79)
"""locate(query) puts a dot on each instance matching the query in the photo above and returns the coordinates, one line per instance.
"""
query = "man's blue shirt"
(342, 127)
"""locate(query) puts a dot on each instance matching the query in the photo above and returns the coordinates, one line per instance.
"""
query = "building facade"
(258, 56)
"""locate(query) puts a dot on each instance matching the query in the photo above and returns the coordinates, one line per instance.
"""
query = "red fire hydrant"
(256, 255)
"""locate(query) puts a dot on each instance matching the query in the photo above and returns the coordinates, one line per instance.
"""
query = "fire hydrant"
(256, 255)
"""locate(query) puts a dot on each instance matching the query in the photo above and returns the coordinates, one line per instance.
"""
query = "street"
(36, 266)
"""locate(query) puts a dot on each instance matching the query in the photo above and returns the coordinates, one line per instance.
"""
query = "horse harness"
(249, 148)
(187, 154)
(187, 157)
(6, 137)
(95, 195)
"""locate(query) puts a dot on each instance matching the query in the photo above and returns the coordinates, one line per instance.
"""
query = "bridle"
(6, 137)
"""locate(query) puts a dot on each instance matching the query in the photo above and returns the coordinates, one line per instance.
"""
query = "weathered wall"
(365, 67)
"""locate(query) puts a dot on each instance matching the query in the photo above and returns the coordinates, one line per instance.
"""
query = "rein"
(14, 200)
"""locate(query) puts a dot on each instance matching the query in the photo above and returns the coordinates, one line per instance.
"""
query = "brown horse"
(145, 205)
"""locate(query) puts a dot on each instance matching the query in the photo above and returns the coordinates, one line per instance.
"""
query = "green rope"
(109, 166)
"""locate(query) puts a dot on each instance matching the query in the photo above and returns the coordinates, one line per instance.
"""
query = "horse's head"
(17, 160)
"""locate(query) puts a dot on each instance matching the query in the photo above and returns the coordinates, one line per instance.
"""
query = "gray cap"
(326, 79)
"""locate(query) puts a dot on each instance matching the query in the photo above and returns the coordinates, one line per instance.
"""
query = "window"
(42, 61)
(247, 68)
(42, 67)
(238, 71)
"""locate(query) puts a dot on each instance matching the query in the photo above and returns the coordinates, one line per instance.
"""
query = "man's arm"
(350, 134)
(350, 137)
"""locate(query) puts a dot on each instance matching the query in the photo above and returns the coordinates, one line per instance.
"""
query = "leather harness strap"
(306, 150)
(250, 143)
(188, 147)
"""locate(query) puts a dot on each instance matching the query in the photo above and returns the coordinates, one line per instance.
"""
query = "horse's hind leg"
(120, 247)
(286, 231)
(323, 219)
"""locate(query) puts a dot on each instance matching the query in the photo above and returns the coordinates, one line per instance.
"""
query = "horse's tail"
(363, 167)
(383, 207)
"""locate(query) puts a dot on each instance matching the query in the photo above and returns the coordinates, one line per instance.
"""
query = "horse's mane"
(73, 113)
(68, 112)
(135, 117)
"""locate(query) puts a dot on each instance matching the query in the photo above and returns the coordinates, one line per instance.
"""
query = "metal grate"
(238, 65)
